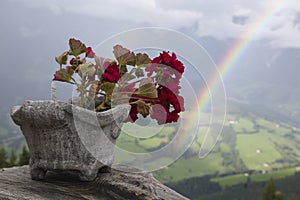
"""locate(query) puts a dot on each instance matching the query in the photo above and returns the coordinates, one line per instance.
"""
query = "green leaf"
(124, 56)
(139, 72)
(76, 47)
(147, 88)
(108, 87)
(95, 82)
(123, 69)
(142, 59)
(127, 77)
(103, 106)
(62, 58)
(87, 68)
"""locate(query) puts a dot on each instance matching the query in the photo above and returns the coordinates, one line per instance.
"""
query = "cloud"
(239, 20)
(241, 17)
(146, 12)
(276, 22)
(296, 21)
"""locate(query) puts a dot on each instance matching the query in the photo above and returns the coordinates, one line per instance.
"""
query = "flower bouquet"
(150, 86)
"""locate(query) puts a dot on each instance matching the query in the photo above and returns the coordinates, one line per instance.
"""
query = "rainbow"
(231, 58)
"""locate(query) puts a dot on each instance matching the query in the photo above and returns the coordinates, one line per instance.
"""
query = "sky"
(33, 32)
(216, 18)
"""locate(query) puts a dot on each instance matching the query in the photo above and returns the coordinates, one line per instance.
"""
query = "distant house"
(233, 122)
(258, 151)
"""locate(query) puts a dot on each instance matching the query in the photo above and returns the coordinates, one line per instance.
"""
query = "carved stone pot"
(63, 136)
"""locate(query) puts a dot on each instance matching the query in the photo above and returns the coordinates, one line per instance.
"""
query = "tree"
(3, 158)
(12, 159)
(24, 157)
(271, 193)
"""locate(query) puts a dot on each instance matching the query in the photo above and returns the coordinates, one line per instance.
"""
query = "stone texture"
(15, 183)
(63, 136)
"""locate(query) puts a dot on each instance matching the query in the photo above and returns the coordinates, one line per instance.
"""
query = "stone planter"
(62, 136)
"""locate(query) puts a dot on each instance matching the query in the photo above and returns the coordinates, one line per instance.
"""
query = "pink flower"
(89, 52)
(153, 67)
(159, 113)
(173, 86)
(166, 75)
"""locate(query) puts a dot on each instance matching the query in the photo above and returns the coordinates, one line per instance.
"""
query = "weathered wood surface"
(16, 183)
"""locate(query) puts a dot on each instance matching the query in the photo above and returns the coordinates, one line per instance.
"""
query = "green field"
(244, 125)
(152, 143)
(129, 143)
(253, 143)
(277, 174)
(257, 150)
(225, 147)
(192, 167)
(230, 180)
(272, 127)
(256, 177)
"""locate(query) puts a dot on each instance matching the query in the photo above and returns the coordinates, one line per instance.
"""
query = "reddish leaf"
(124, 56)
(62, 75)
(142, 59)
(147, 88)
(143, 108)
(62, 58)
(139, 72)
(76, 47)
(108, 87)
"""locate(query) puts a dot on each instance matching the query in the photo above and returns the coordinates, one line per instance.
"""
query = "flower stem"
(82, 91)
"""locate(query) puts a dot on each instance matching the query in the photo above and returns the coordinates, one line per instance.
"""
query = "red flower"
(111, 73)
(89, 52)
(172, 99)
(72, 61)
(166, 59)
(172, 117)
(133, 113)
(178, 104)
(178, 66)
(169, 106)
